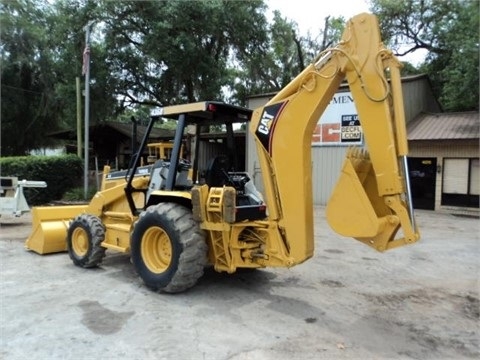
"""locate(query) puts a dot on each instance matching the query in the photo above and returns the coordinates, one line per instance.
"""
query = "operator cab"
(207, 149)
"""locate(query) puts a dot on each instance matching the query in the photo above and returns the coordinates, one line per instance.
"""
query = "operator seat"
(217, 169)
(249, 203)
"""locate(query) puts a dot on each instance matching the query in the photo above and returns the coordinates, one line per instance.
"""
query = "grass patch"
(77, 194)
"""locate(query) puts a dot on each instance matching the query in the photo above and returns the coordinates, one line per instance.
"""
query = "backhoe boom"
(369, 202)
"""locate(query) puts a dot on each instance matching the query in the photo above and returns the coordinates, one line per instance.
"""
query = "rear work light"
(212, 107)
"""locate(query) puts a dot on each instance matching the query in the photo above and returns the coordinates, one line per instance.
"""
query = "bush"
(77, 194)
(61, 173)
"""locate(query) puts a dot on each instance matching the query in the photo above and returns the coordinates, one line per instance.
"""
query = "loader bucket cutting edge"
(49, 228)
(356, 210)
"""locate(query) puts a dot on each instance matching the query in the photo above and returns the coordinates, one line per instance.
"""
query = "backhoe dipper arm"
(370, 201)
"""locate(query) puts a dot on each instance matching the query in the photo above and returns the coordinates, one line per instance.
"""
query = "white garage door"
(455, 176)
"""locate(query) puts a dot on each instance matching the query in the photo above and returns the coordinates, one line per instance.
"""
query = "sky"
(310, 16)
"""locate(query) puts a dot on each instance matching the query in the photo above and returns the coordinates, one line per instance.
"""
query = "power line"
(25, 90)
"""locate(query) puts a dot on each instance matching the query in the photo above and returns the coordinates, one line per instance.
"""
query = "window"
(461, 182)
(474, 186)
(455, 176)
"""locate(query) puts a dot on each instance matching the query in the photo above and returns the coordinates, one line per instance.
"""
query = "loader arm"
(371, 200)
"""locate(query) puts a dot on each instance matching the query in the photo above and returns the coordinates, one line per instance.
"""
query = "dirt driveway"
(348, 302)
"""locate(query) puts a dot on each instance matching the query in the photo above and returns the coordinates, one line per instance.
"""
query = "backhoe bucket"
(356, 210)
(49, 228)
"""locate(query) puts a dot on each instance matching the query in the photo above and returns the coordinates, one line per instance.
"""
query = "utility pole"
(86, 71)
(79, 117)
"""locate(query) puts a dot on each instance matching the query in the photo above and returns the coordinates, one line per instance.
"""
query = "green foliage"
(41, 55)
(146, 53)
(140, 113)
(77, 194)
(280, 56)
(27, 96)
(269, 66)
(61, 173)
(67, 43)
(327, 37)
(449, 31)
(142, 53)
(168, 124)
(167, 52)
(455, 71)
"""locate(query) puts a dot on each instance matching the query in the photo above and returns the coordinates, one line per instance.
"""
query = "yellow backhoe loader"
(175, 217)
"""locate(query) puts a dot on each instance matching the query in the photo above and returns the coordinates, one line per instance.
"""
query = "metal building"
(444, 161)
(329, 143)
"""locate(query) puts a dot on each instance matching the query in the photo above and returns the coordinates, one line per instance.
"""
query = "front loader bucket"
(356, 210)
(49, 228)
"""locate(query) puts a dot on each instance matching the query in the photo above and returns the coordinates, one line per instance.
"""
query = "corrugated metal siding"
(259, 101)
(253, 168)
(418, 97)
(207, 151)
(327, 164)
(210, 149)
(412, 98)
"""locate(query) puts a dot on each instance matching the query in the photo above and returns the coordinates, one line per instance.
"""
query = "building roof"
(126, 129)
(445, 126)
(122, 128)
(344, 85)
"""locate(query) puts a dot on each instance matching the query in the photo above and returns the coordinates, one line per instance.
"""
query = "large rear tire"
(168, 248)
(85, 234)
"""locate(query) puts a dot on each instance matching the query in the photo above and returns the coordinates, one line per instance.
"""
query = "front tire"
(85, 234)
(168, 248)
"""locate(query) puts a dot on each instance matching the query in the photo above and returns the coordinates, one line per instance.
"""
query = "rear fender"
(179, 197)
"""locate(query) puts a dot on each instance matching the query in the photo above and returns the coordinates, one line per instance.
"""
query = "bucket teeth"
(358, 153)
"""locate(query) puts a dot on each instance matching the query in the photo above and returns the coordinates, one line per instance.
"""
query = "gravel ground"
(347, 302)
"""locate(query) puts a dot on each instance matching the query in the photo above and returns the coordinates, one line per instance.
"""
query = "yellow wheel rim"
(156, 250)
(80, 241)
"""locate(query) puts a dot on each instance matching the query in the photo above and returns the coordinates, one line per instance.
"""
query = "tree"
(143, 53)
(328, 36)
(41, 53)
(270, 63)
(27, 96)
(67, 41)
(448, 30)
(282, 55)
(165, 52)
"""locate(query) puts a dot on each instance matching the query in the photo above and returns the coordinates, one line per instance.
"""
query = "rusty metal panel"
(438, 126)
(418, 96)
